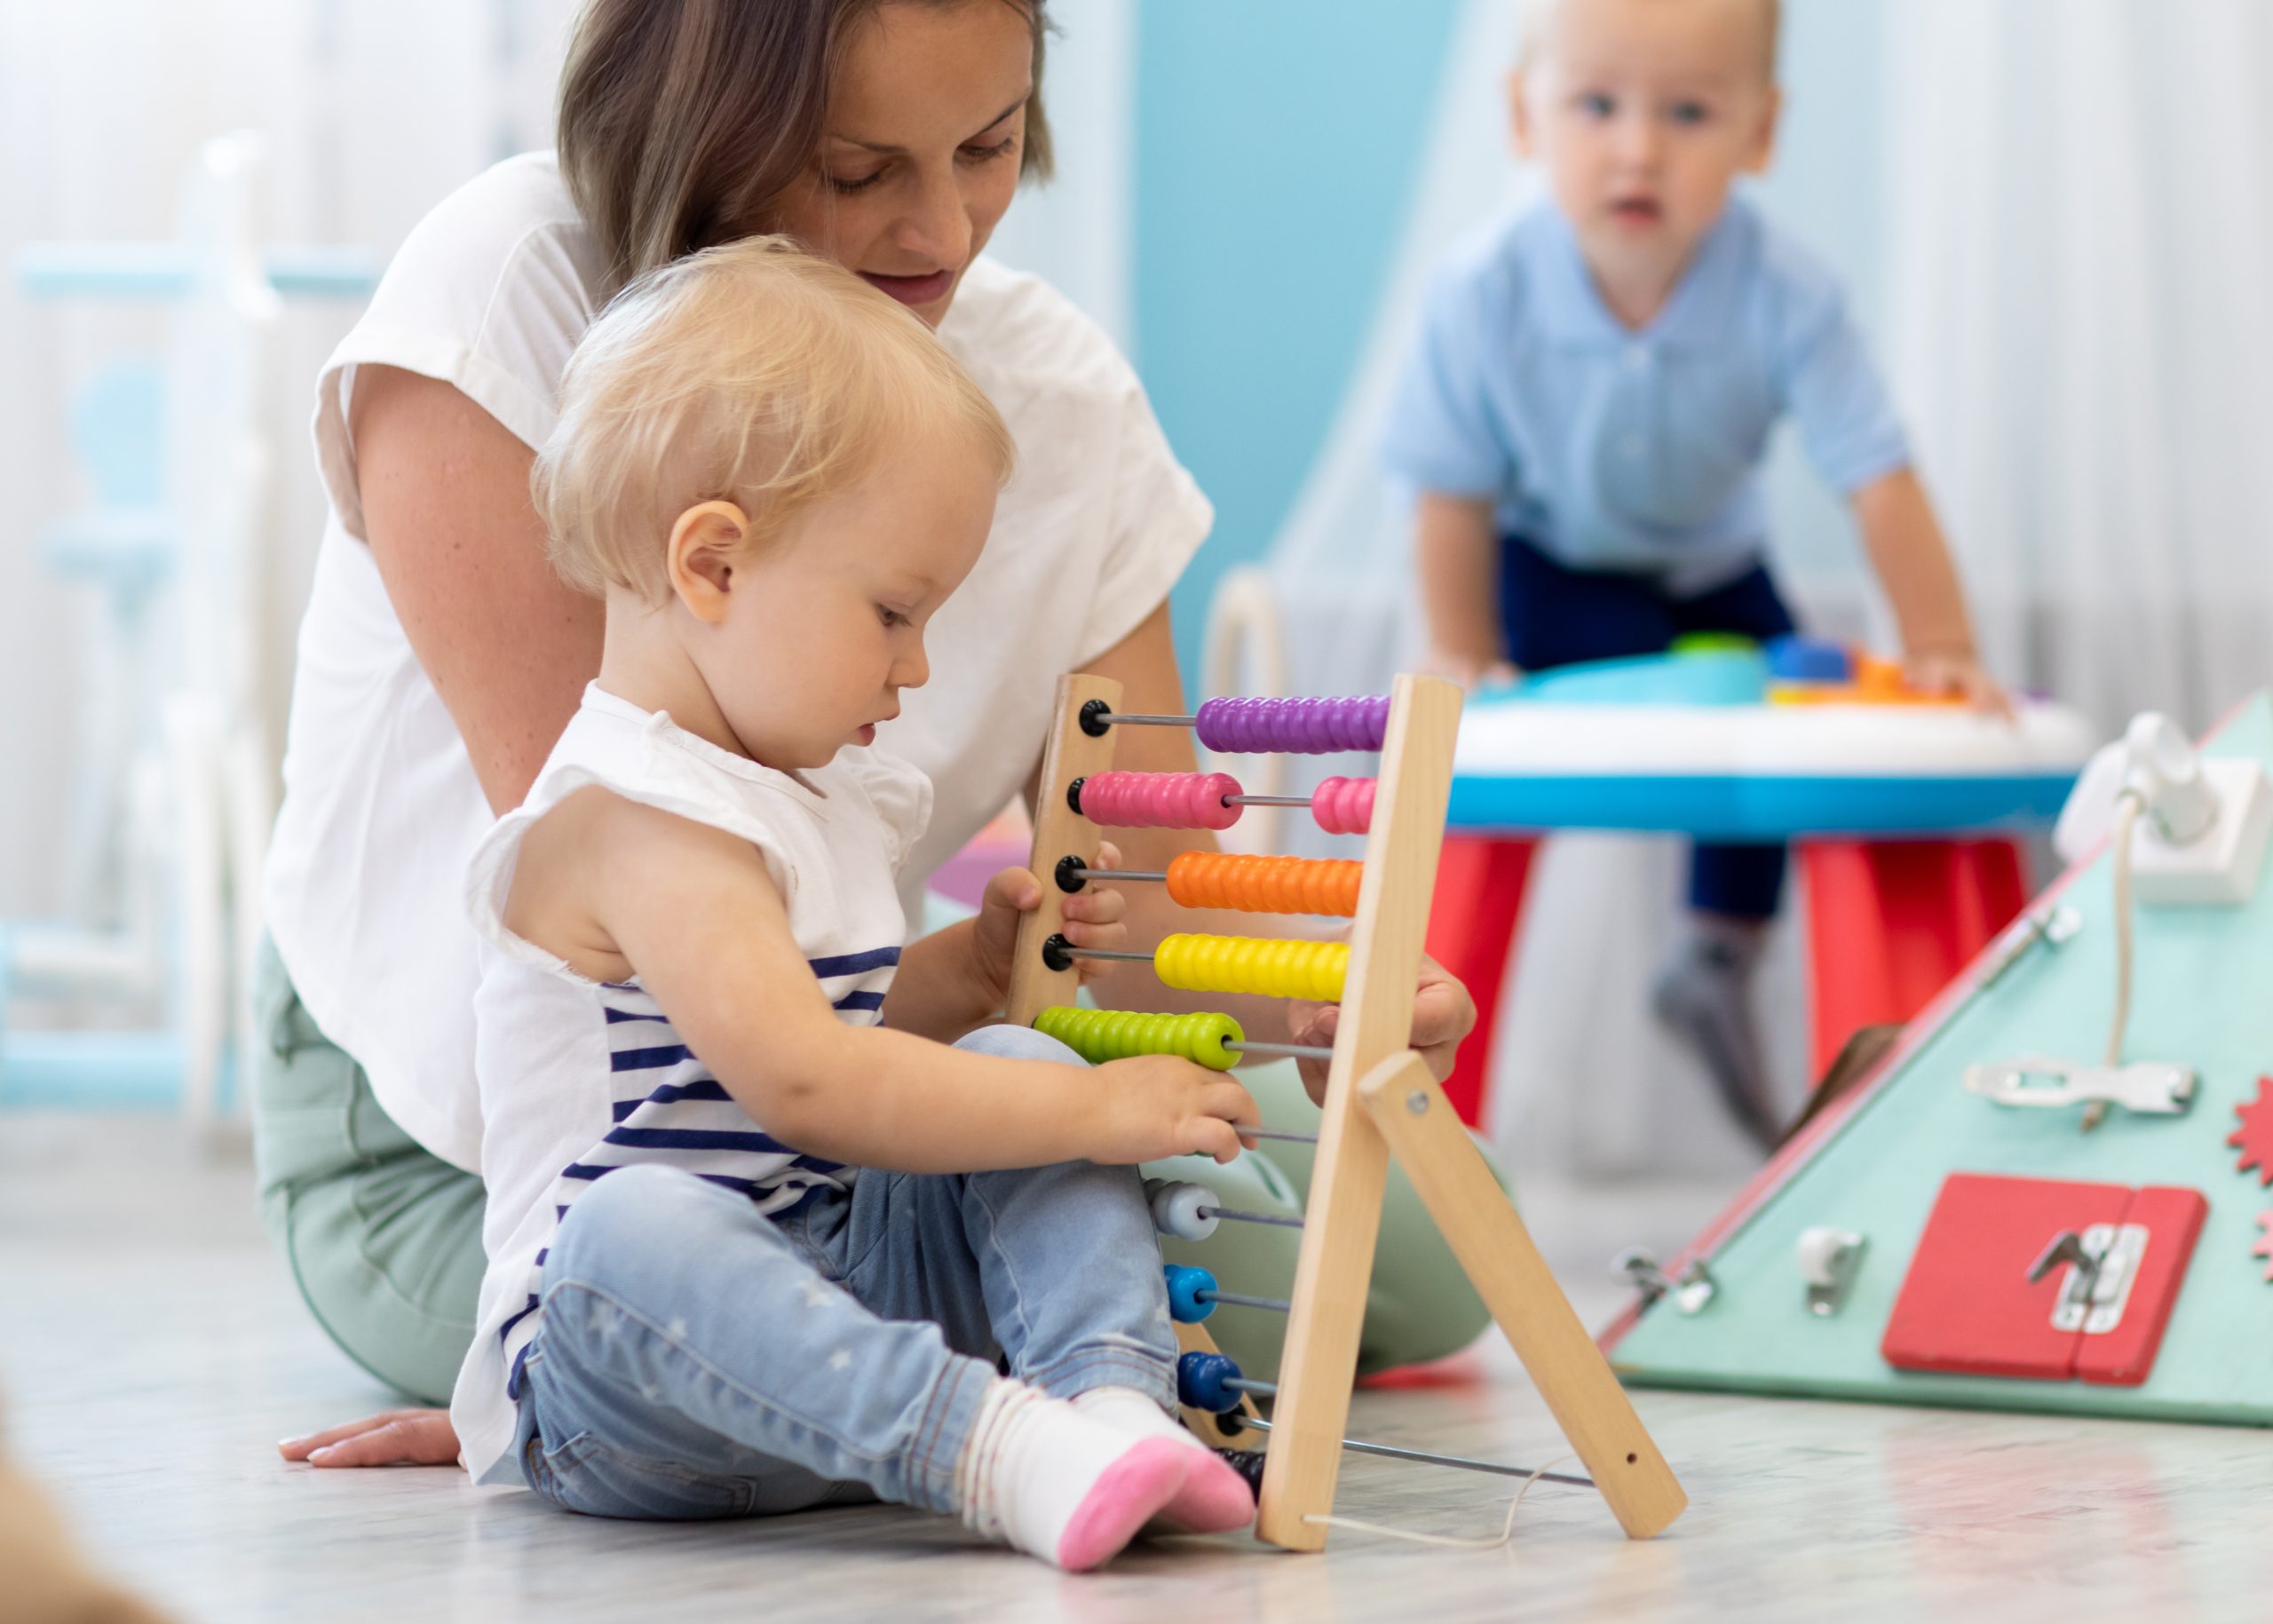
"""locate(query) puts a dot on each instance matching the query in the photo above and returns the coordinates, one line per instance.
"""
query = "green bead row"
(1099, 1036)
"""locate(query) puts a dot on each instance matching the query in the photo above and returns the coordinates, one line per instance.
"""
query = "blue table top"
(1687, 744)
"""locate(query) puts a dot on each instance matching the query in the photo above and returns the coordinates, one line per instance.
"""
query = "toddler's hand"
(1157, 1105)
(1092, 918)
(1958, 672)
(1470, 671)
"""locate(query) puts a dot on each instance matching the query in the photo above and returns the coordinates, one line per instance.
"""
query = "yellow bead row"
(1253, 964)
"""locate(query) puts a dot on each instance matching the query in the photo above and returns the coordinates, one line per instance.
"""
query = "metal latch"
(2102, 1262)
(1691, 1292)
(2152, 1087)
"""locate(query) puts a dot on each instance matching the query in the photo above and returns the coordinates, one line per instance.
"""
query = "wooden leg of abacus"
(1343, 1216)
(1425, 1135)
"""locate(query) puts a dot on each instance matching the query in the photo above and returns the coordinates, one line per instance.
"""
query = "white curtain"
(371, 110)
(2081, 229)
(1076, 232)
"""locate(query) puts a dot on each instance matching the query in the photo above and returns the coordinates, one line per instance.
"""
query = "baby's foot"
(1037, 1473)
(1215, 1499)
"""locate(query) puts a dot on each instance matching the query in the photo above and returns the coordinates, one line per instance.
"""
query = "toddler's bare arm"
(616, 888)
(1456, 549)
(1912, 561)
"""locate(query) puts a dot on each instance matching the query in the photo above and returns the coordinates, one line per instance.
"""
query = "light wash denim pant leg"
(697, 1358)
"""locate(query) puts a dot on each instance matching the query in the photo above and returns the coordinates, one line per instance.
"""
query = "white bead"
(1175, 1209)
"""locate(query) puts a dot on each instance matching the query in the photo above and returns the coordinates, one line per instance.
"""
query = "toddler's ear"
(1763, 143)
(1519, 121)
(708, 544)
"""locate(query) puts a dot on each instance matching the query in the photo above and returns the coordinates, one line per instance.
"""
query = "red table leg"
(1471, 932)
(1891, 922)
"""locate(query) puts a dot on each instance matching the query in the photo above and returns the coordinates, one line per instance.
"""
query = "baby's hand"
(1958, 672)
(1156, 1106)
(1092, 918)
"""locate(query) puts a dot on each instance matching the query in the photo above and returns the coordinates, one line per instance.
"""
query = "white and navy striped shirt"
(580, 1078)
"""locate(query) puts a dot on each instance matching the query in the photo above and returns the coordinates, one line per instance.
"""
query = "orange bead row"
(1255, 885)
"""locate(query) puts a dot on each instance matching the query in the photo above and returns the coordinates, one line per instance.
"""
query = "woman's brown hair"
(681, 120)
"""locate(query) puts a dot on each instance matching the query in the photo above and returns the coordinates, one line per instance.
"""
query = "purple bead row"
(1294, 727)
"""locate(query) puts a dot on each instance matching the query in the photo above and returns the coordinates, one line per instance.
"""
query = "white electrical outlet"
(2219, 865)
(2200, 837)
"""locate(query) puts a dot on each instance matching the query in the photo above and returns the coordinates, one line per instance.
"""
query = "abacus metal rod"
(1277, 1305)
(1273, 1133)
(1266, 800)
(1113, 718)
(1236, 1217)
(1464, 1462)
(1293, 1051)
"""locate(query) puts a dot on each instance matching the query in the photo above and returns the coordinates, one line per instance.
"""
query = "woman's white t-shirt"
(382, 809)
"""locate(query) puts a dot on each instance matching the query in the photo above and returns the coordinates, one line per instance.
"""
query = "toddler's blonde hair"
(753, 373)
(1532, 16)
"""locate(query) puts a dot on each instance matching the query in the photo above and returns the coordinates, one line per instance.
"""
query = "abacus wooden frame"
(1380, 1100)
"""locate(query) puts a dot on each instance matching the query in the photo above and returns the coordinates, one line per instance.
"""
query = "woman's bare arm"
(447, 509)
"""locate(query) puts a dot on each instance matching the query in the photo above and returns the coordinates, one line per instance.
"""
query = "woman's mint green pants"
(384, 1237)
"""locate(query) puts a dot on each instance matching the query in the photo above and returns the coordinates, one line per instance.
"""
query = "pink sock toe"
(1214, 1498)
(1135, 1487)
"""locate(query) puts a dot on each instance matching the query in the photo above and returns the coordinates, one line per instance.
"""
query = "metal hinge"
(1691, 1292)
(2102, 1262)
(2152, 1087)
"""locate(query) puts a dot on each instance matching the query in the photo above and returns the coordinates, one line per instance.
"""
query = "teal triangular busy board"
(1956, 1198)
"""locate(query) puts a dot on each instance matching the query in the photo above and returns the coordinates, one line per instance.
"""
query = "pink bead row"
(1344, 805)
(1159, 800)
(1198, 800)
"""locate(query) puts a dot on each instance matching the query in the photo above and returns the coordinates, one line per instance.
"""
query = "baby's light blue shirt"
(1639, 451)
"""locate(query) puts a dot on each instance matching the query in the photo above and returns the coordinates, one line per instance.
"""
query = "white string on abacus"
(1444, 1541)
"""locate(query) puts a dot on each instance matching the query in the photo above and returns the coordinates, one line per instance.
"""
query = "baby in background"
(767, 1200)
(1586, 416)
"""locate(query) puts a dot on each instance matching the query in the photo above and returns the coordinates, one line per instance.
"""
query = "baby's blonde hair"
(753, 373)
(1532, 16)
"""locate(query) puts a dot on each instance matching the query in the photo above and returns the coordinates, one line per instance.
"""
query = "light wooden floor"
(151, 1349)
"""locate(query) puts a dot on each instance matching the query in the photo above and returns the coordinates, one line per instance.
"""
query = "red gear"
(2254, 1137)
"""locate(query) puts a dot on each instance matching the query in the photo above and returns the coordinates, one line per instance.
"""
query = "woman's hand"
(391, 1437)
(1092, 915)
(1151, 1106)
(1443, 1014)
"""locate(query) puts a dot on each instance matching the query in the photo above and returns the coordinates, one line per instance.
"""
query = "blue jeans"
(700, 1359)
(1557, 616)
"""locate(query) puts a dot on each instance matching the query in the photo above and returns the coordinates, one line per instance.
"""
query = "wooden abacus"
(1380, 1100)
